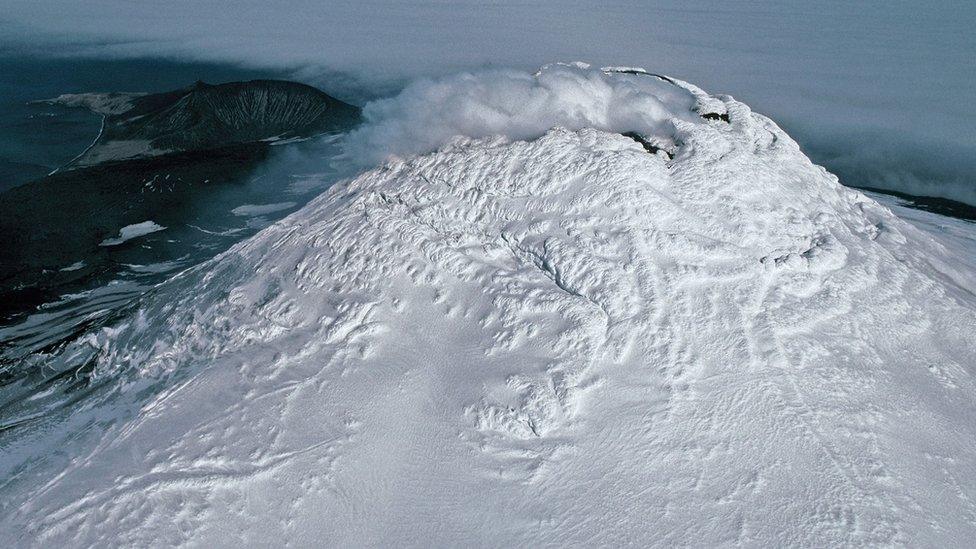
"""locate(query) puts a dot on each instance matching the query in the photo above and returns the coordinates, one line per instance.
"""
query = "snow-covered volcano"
(687, 336)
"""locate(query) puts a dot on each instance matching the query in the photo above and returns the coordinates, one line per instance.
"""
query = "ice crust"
(557, 341)
(250, 210)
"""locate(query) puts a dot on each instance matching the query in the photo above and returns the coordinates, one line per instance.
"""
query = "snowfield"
(562, 340)
(130, 232)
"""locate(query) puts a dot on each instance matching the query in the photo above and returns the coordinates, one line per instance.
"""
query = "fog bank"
(864, 81)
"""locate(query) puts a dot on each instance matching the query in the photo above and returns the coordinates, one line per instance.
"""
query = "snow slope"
(559, 341)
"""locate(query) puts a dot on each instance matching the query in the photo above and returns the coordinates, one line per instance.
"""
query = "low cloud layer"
(823, 68)
(896, 161)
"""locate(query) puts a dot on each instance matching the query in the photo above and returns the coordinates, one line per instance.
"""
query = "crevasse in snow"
(562, 340)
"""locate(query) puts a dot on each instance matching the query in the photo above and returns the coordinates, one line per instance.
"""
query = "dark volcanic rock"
(16, 173)
(63, 218)
(648, 146)
(722, 117)
(935, 204)
(206, 116)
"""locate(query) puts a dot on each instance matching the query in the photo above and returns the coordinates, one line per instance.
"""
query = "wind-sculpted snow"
(563, 341)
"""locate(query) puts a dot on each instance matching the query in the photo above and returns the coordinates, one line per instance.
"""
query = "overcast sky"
(890, 83)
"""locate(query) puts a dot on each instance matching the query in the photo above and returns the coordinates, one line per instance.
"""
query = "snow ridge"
(563, 341)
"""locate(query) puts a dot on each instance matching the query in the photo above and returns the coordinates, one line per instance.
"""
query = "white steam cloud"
(519, 105)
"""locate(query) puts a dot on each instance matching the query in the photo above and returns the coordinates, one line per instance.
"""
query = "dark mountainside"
(14, 173)
(216, 135)
(206, 116)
